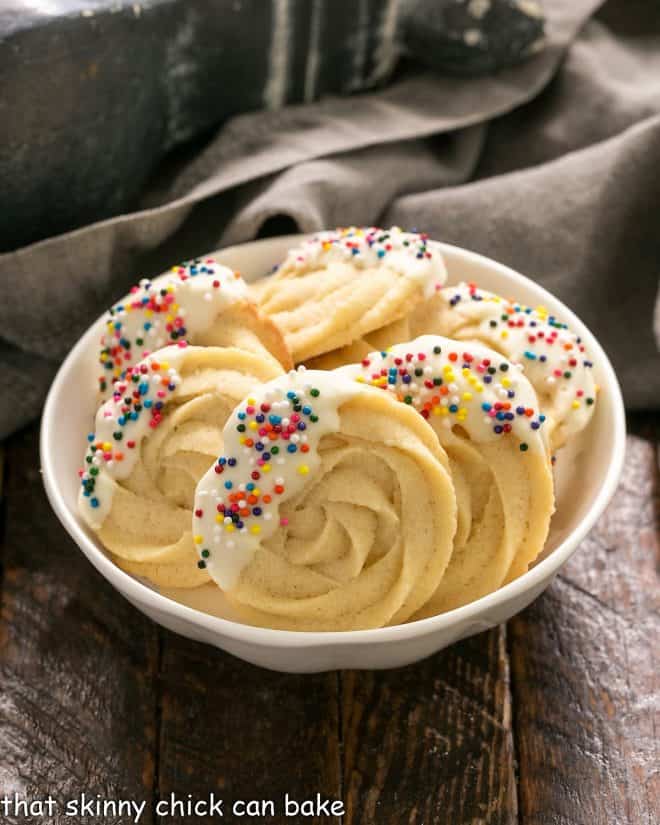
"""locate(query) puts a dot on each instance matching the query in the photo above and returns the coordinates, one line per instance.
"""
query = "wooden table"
(551, 719)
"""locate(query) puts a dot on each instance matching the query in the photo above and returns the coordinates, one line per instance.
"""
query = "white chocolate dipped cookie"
(341, 286)
(330, 508)
(485, 414)
(153, 439)
(552, 356)
(200, 301)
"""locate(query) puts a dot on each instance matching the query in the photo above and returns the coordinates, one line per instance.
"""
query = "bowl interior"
(582, 472)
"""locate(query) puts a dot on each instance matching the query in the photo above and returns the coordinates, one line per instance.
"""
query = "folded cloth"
(549, 166)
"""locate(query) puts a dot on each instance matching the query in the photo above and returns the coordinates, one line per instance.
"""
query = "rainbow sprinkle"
(457, 384)
(412, 254)
(267, 432)
(164, 311)
(135, 408)
(271, 444)
(551, 354)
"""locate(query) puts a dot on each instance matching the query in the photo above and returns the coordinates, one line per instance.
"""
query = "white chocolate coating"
(413, 255)
(180, 304)
(552, 356)
(271, 452)
(458, 383)
(120, 428)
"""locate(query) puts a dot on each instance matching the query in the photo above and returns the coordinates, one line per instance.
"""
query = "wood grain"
(77, 663)
(432, 743)
(245, 733)
(585, 670)
(95, 698)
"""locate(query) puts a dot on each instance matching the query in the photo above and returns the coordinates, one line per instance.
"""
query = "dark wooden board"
(432, 743)
(77, 663)
(550, 720)
(244, 732)
(585, 669)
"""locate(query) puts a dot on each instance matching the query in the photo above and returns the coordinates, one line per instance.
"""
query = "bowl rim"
(137, 592)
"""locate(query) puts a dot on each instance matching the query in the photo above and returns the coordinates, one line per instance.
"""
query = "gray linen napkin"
(550, 166)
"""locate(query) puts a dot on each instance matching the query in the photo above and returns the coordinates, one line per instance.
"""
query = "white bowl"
(584, 488)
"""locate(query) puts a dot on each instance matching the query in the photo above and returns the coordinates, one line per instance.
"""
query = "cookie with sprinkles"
(331, 507)
(152, 441)
(485, 414)
(201, 302)
(553, 357)
(339, 286)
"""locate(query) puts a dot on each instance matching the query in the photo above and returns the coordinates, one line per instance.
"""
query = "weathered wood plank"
(585, 670)
(77, 662)
(245, 733)
(432, 743)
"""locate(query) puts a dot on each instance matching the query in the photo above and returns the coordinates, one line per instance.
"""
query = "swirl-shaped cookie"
(331, 507)
(200, 301)
(552, 356)
(485, 414)
(153, 440)
(340, 286)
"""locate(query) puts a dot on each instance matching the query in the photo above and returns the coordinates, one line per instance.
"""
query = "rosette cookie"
(153, 440)
(342, 288)
(485, 414)
(331, 507)
(201, 302)
(552, 356)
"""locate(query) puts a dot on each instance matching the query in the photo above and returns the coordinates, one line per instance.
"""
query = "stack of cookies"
(348, 443)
